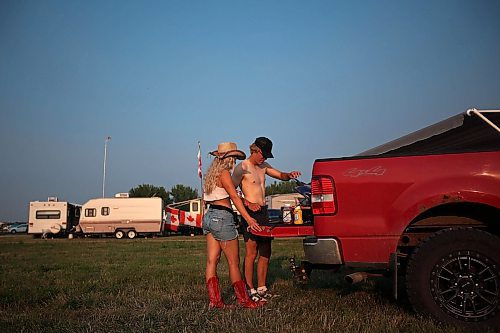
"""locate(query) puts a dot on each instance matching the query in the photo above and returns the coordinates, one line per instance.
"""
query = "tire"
(119, 234)
(131, 234)
(454, 276)
(13, 231)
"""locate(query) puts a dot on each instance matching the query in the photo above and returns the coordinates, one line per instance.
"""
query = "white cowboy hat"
(228, 149)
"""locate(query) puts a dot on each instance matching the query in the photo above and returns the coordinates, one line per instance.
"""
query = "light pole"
(108, 138)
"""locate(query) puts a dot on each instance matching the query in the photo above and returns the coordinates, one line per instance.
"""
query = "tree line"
(179, 192)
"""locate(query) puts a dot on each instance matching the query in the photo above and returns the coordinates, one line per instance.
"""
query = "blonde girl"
(219, 225)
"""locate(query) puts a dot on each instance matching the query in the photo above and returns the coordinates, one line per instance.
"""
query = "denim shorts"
(220, 223)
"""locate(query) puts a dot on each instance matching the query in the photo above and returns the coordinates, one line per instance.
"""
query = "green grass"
(154, 285)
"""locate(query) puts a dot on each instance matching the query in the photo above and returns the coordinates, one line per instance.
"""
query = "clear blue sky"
(319, 78)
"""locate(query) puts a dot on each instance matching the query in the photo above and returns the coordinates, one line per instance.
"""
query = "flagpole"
(108, 138)
(200, 174)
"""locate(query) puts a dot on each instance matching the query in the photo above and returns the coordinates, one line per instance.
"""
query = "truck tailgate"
(286, 231)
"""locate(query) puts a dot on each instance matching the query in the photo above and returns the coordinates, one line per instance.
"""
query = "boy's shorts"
(262, 218)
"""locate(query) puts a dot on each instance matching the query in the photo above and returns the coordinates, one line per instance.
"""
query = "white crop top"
(218, 193)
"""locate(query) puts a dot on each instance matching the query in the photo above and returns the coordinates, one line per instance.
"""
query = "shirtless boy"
(250, 175)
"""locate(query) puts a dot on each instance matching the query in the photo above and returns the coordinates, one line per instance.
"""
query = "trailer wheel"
(131, 234)
(454, 275)
(119, 234)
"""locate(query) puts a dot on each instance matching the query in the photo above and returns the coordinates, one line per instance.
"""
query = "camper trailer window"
(48, 214)
(90, 212)
(105, 211)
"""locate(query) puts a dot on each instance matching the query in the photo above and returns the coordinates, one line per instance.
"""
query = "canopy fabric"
(457, 134)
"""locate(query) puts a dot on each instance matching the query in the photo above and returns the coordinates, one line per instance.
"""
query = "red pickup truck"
(425, 207)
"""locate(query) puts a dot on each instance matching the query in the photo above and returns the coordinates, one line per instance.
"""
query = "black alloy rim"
(465, 284)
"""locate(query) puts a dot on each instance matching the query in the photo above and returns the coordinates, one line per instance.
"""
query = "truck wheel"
(119, 234)
(131, 234)
(454, 275)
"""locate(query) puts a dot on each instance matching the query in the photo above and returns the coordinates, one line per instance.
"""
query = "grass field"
(152, 285)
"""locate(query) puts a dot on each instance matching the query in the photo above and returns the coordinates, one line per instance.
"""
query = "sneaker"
(257, 298)
(266, 294)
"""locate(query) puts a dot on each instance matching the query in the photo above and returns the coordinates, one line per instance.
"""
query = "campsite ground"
(151, 285)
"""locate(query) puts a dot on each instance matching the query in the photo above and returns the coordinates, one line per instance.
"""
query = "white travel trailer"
(276, 201)
(122, 216)
(52, 217)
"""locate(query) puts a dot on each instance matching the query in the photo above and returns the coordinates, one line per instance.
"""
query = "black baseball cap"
(265, 145)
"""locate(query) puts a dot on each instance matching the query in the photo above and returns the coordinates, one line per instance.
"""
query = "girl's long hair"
(214, 172)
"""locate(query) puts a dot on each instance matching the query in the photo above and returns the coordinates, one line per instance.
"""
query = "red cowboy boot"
(214, 294)
(243, 299)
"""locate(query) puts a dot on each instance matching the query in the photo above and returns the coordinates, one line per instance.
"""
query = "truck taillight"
(323, 195)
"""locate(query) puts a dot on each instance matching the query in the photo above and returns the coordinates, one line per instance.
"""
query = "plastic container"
(287, 215)
(297, 215)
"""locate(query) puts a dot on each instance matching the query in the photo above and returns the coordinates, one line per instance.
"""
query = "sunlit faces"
(258, 156)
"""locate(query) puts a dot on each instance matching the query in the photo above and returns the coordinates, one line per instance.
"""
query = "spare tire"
(55, 228)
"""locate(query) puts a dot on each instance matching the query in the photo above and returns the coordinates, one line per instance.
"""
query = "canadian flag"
(171, 219)
(193, 219)
(199, 161)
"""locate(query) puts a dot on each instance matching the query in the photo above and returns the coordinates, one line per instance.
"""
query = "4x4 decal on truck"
(375, 171)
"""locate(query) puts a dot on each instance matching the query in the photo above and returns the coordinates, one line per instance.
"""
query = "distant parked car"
(18, 227)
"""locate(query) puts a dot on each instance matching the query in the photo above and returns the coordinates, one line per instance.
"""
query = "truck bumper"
(322, 251)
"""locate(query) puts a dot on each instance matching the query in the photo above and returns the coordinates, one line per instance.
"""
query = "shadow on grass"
(326, 279)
